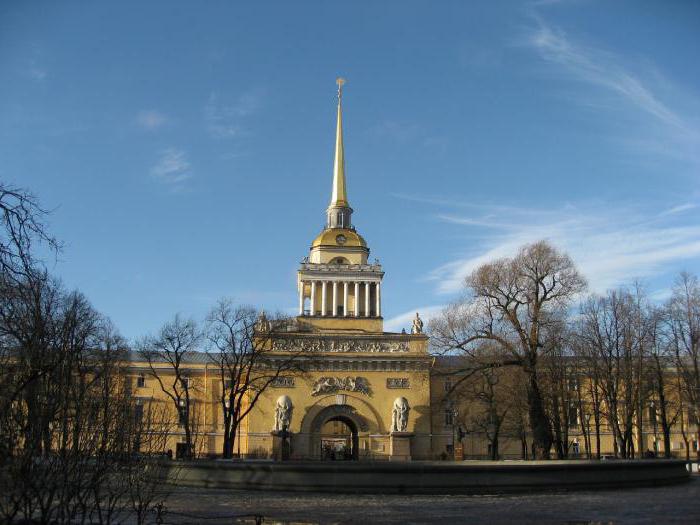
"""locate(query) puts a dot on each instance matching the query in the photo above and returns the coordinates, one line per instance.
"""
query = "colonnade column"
(335, 298)
(313, 297)
(367, 287)
(345, 299)
(323, 297)
(301, 298)
(379, 304)
(357, 299)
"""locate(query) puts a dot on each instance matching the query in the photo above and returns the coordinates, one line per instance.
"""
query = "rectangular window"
(138, 413)
(141, 381)
(573, 416)
(449, 417)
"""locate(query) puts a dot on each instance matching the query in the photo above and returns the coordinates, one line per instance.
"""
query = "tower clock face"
(341, 239)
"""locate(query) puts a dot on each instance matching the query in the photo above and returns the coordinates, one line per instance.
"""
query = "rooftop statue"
(417, 327)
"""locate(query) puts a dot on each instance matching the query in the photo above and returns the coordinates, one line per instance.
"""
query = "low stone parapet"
(423, 477)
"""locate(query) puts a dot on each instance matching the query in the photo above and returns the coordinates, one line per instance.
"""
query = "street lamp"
(652, 410)
(455, 413)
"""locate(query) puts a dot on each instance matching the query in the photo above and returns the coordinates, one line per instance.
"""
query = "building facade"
(363, 393)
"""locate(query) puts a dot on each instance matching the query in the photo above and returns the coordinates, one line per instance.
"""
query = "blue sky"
(186, 148)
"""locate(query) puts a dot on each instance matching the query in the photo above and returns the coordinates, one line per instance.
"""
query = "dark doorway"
(339, 441)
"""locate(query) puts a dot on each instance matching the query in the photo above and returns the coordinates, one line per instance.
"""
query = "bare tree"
(240, 343)
(615, 330)
(21, 228)
(513, 303)
(491, 395)
(169, 350)
(684, 328)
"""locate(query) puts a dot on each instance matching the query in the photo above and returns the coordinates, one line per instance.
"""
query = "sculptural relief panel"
(339, 345)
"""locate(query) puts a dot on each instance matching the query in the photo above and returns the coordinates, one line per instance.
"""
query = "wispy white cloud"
(151, 119)
(610, 245)
(225, 119)
(172, 167)
(641, 91)
(405, 320)
(679, 209)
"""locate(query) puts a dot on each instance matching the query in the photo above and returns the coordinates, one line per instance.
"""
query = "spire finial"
(339, 196)
(340, 81)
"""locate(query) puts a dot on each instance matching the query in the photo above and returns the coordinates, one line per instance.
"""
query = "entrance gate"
(339, 440)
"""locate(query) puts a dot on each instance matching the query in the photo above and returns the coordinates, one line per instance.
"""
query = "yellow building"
(364, 393)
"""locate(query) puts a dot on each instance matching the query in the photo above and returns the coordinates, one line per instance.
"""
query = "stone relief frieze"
(398, 382)
(282, 382)
(339, 345)
(330, 385)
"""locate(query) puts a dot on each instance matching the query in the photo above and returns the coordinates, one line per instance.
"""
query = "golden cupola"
(335, 280)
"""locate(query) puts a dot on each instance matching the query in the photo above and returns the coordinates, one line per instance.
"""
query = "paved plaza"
(670, 504)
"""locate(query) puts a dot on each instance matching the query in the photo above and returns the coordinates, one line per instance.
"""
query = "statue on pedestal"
(263, 324)
(417, 327)
(283, 414)
(399, 415)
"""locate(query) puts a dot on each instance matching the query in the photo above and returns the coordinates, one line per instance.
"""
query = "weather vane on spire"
(340, 81)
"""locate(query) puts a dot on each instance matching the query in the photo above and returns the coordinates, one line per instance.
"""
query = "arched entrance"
(340, 426)
(339, 439)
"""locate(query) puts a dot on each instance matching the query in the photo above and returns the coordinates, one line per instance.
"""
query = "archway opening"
(339, 441)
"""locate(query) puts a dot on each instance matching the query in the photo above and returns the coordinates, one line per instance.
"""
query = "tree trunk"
(539, 424)
(227, 452)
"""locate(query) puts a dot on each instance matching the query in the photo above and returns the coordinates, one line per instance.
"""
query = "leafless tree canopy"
(516, 304)
(242, 352)
(21, 230)
(175, 342)
(617, 361)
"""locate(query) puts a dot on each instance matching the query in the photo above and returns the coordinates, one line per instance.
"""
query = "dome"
(340, 237)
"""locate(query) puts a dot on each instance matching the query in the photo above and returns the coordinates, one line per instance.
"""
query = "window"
(575, 448)
(573, 416)
(186, 382)
(141, 381)
(449, 417)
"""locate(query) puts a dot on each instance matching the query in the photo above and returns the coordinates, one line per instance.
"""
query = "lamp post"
(587, 418)
(455, 414)
(652, 407)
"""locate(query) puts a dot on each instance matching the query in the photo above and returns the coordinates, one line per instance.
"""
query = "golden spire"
(339, 198)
